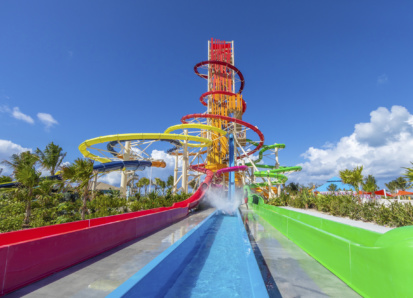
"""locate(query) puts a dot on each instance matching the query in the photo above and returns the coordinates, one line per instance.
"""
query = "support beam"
(94, 183)
(124, 175)
(231, 175)
(185, 164)
(175, 173)
(270, 192)
(277, 165)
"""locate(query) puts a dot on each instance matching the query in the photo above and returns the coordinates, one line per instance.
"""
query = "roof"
(404, 193)
(336, 181)
(104, 186)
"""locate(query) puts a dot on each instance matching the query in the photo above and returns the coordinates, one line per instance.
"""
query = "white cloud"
(47, 120)
(161, 173)
(16, 113)
(385, 126)
(112, 178)
(382, 79)
(383, 146)
(7, 149)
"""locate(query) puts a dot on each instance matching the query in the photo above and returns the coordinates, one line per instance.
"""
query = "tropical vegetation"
(399, 183)
(40, 201)
(370, 184)
(395, 214)
(353, 177)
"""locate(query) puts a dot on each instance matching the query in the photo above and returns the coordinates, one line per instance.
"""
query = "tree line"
(38, 201)
(355, 178)
(394, 214)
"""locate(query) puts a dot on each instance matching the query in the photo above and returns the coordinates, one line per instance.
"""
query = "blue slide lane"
(215, 259)
(133, 165)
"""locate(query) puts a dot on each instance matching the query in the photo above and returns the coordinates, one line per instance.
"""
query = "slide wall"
(373, 264)
(29, 255)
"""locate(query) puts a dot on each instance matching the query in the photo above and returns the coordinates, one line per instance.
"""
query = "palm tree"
(5, 179)
(143, 182)
(399, 183)
(402, 183)
(370, 184)
(170, 181)
(139, 186)
(192, 184)
(353, 177)
(409, 173)
(24, 171)
(43, 191)
(159, 183)
(392, 185)
(292, 188)
(80, 172)
(51, 158)
(20, 160)
(332, 187)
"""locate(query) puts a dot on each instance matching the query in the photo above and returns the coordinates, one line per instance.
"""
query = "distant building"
(103, 187)
(340, 186)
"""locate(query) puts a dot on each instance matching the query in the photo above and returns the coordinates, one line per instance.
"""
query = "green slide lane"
(274, 173)
(373, 264)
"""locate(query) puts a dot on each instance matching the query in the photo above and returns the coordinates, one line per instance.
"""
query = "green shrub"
(57, 208)
(396, 215)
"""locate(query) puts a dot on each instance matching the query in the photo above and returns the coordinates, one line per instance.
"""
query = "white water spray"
(218, 199)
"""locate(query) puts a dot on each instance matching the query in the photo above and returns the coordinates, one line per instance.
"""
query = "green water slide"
(271, 171)
(371, 263)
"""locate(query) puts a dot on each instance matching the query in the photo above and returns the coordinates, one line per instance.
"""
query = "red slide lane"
(29, 255)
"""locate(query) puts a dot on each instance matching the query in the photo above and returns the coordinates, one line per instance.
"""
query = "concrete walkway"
(355, 223)
(99, 276)
(287, 270)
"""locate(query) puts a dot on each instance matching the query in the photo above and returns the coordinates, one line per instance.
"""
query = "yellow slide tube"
(203, 142)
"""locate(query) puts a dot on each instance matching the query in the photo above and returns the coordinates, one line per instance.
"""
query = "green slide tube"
(272, 171)
(263, 149)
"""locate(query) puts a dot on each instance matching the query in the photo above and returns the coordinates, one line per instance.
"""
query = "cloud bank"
(383, 146)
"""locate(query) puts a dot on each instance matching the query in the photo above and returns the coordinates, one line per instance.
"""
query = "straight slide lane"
(214, 260)
(287, 270)
(373, 264)
(99, 276)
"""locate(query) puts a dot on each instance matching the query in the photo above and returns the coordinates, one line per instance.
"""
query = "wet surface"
(218, 267)
(99, 276)
(287, 270)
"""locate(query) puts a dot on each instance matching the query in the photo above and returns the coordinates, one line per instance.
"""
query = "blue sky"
(315, 71)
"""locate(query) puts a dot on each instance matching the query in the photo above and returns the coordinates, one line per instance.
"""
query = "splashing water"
(218, 199)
